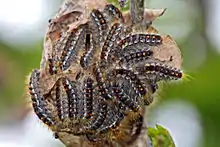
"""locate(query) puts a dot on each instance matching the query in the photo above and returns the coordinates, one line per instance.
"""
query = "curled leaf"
(160, 137)
(153, 14)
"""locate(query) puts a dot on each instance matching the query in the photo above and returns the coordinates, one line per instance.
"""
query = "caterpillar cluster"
(116, 78)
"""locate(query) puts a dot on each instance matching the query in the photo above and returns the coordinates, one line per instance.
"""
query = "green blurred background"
(189, 109)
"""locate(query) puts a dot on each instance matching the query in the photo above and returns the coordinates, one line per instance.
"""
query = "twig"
(137, 11)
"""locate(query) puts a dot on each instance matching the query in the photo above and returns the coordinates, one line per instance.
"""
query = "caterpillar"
(103, 75)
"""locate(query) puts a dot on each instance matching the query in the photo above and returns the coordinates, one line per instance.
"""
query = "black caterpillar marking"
(88, 101)
(101, 115)
(87, 55)
(103, 91)
(37, 100)
(113, 122)
(88, 42)
(71, 46)
(149, 39)
(116, 33)
(109, 42)
(135, 57)
(58, 101)
(72, 97)
(120, 95)
(133, 80)
(163, 71)
(101, 24)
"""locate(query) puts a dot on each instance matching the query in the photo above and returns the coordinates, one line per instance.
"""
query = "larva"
(124, 98)
(148, 39)
(88, 54)
(110, 50)
(88, 97)
(58, 101)
(72, 97)
(162, 71)
(110, 40)
(133, 80)
(101, 115)
(134, 57)
(71, 46)
(113, 122)
(37, 100)
(100, 23)
(101, 84)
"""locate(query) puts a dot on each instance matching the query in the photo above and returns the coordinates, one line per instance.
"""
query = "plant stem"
(137, 11)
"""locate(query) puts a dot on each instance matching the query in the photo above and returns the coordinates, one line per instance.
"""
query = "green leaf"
(160, 137)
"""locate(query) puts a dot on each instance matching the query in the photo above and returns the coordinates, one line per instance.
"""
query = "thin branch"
(137, 11)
